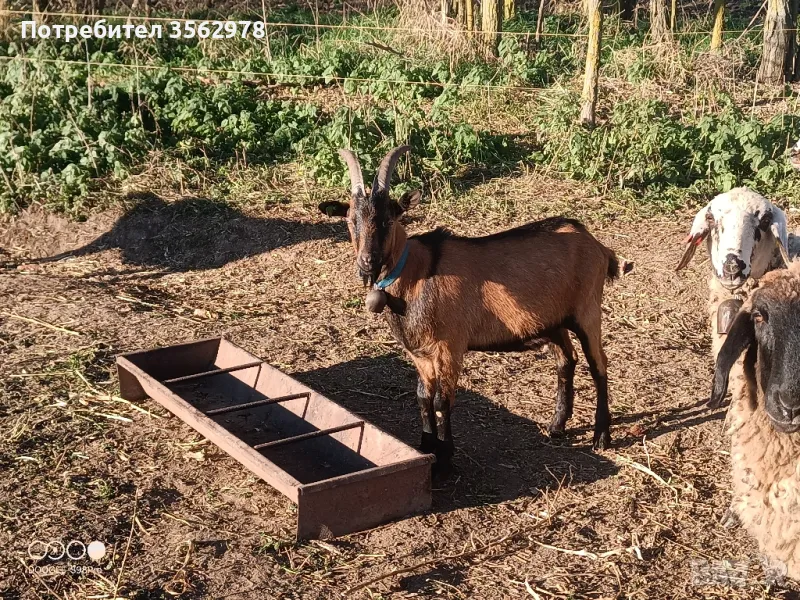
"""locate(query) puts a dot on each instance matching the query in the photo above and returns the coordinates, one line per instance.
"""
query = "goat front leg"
(426, 392)
(448, 370)
(566, 359)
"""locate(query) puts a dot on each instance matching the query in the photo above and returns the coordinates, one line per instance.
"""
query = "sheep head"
(741, 229)
(372, 218)
(794, 156)
(768, 326)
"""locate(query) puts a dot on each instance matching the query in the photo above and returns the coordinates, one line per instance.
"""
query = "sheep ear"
(698, 232)
(780, 231)
(740, 337)
(334, 208)
(749, 367)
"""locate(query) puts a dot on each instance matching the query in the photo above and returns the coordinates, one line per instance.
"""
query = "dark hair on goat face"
(768, 327)
(373, 218)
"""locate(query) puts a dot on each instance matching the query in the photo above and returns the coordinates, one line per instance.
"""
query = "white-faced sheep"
(746, 237)
(794, 156)
(448, 294)
(765, 413)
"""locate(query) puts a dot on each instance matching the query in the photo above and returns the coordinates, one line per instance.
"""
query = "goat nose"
(364, 263)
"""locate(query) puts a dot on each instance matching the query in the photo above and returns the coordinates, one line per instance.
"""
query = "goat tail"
(613, 266)
(617, 266)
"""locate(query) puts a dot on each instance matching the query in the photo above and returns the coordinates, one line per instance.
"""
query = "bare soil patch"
(527, 515)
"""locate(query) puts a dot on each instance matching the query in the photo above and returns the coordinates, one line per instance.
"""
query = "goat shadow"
(499, 455)
(198, 234)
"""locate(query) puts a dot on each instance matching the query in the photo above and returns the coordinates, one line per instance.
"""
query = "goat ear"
(698, 232)
(334, 208)
(409, 200)
(780, 231)
(740, 337)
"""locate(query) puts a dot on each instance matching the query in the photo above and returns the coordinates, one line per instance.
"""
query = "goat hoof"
(442, 471)
(602, 440)
(428, 443)
(444, 451)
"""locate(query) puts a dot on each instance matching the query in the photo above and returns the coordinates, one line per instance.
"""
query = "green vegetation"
(643, 146)
(68, 131)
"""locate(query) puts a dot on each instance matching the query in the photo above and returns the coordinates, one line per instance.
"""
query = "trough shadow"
(198, 233)
(499, 455)
(314, 460)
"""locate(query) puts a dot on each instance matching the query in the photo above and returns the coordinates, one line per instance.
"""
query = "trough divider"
(307, 436)
(360, 440)
(254, 404)
(214, 372)
(255, 384)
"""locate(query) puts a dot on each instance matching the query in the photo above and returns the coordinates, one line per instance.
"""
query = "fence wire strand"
(208, 71)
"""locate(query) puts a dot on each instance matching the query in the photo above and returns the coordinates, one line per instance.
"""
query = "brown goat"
(513, 290)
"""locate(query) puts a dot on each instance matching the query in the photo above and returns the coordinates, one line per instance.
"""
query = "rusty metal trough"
(344, 473)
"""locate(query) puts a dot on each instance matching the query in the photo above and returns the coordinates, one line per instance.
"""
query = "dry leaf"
(637, 430)
(204, 313)
(199, 456)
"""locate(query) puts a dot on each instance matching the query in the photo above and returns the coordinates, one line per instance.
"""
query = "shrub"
(643, 145)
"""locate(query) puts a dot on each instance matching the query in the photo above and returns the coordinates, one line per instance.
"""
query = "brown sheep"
(513, 290)
(765, 414)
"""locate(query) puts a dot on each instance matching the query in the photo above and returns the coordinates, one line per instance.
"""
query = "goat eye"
(758, 317)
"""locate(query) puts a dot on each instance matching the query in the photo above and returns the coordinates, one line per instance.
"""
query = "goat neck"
(398, 244)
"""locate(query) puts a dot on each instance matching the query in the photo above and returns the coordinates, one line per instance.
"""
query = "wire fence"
(351, 26)
(281, 76)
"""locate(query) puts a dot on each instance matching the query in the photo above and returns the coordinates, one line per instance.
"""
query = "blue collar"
(398, 268)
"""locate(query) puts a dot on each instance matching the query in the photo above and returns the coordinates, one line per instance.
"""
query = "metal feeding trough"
(343, 473)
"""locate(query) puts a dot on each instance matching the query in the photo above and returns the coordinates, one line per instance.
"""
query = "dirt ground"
(523, 516)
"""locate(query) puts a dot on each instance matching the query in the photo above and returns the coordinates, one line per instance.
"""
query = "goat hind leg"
(591, 343)
(566, 359)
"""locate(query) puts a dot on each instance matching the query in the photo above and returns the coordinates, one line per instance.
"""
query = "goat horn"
(356, 178)
(383, 177)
